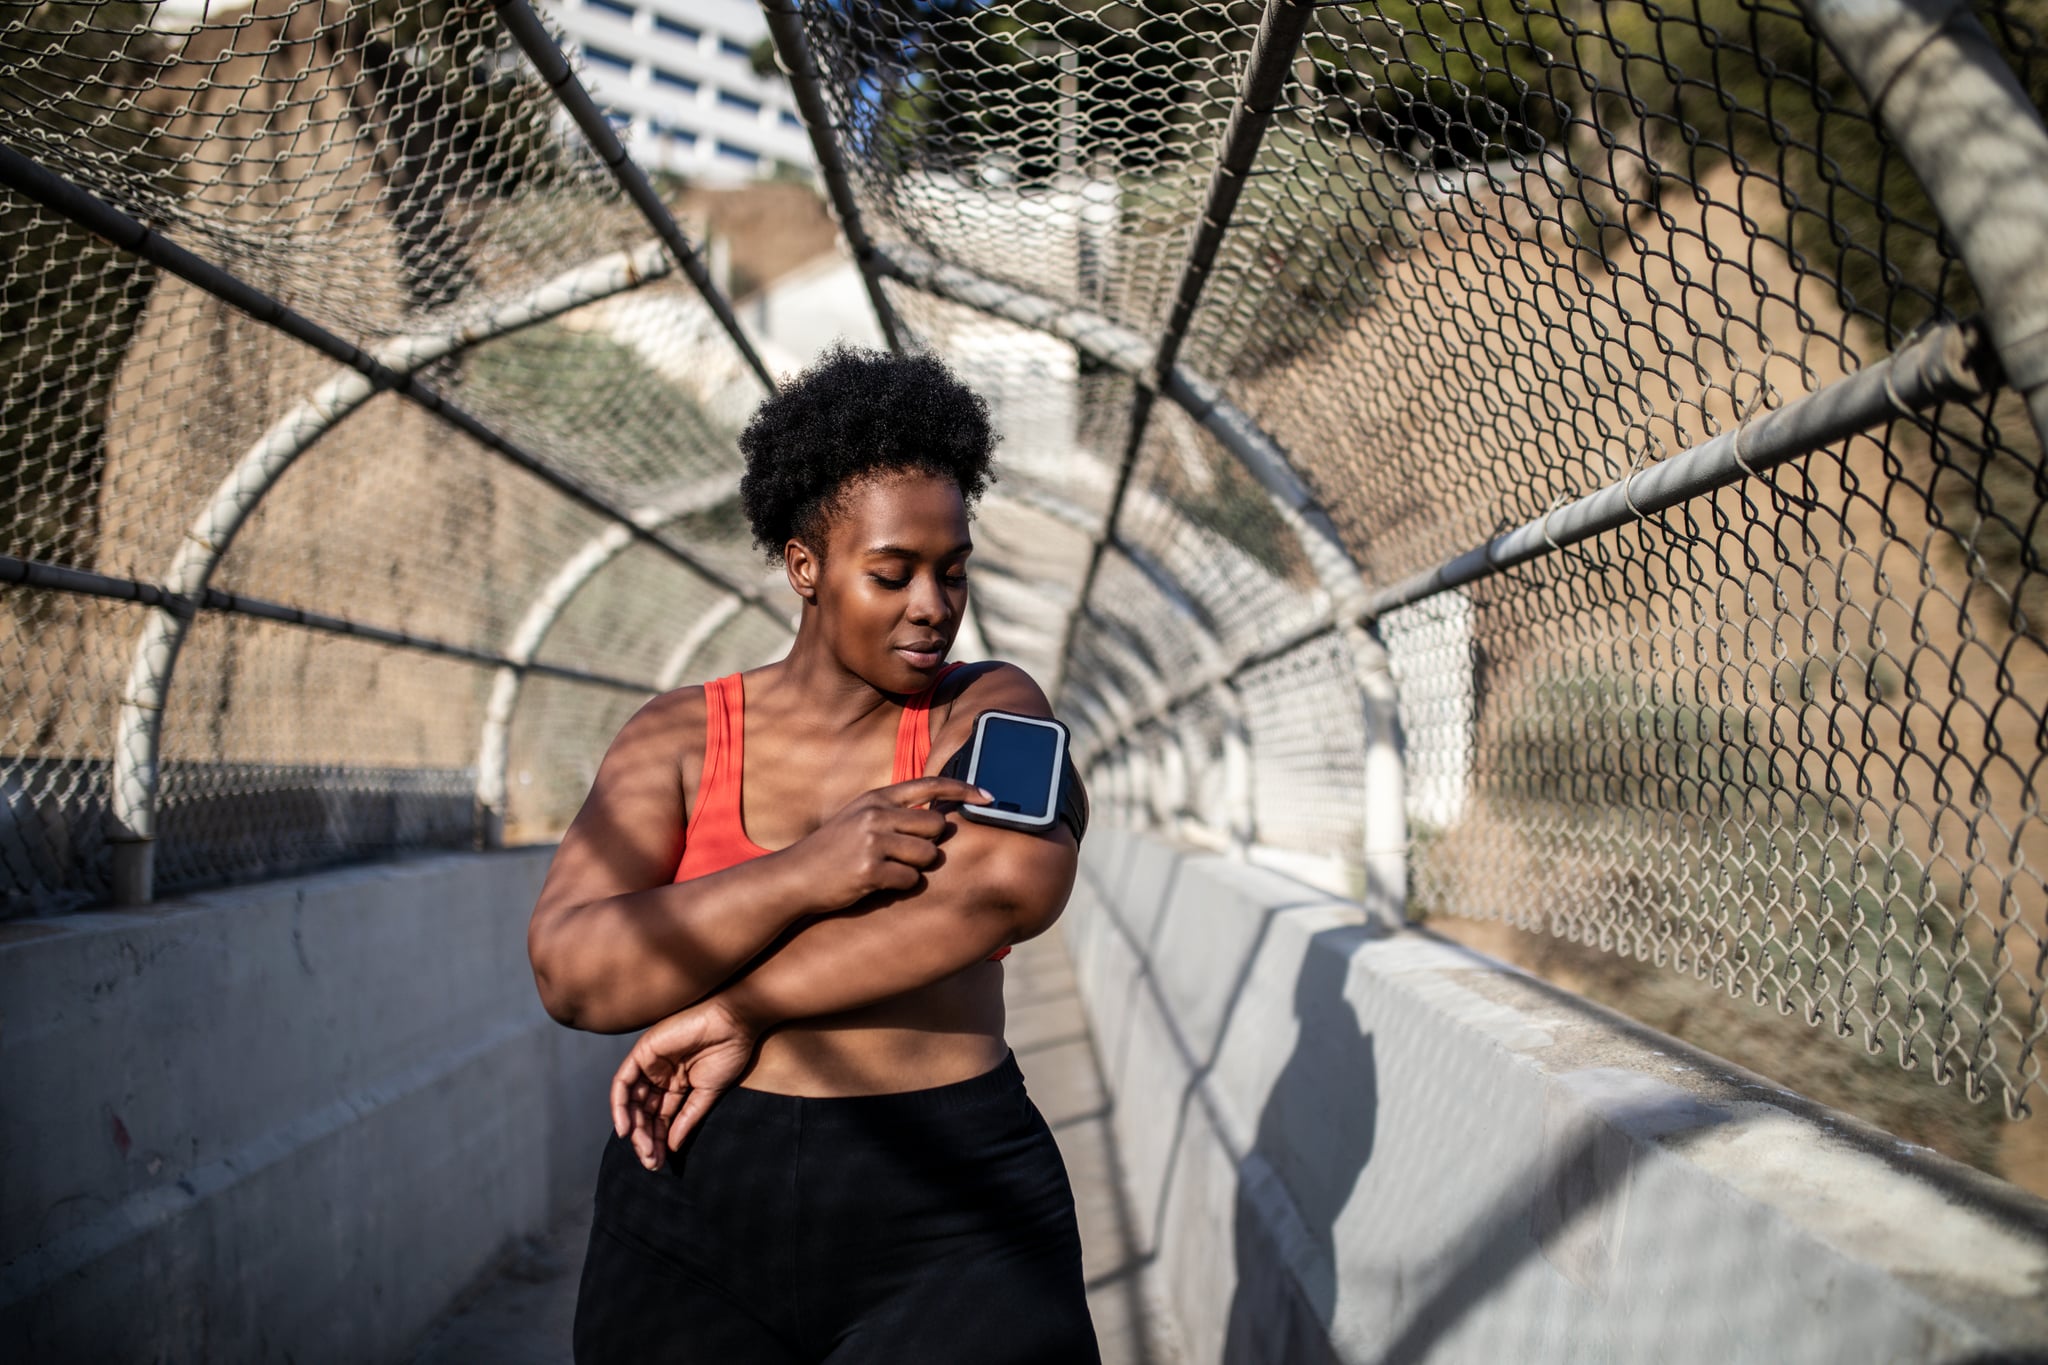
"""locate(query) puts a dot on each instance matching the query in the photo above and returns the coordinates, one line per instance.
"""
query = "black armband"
(1073, 799)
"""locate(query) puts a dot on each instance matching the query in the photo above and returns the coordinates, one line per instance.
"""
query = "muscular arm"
(614, 946)
(995, 886)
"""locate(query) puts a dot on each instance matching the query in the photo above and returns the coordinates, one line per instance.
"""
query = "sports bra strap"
(724, 755)
(914, 731)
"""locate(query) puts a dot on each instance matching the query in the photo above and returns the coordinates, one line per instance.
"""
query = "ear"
(803, 568)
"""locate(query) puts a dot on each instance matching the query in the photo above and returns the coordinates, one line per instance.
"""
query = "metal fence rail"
(1755, 689)
(265, 149)
(1599, 484)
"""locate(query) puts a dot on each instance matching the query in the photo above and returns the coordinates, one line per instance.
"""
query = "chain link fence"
(1466, 266)
(1577, 466)
(281, 576)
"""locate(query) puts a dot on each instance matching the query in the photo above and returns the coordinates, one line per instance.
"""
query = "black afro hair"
(856, 414)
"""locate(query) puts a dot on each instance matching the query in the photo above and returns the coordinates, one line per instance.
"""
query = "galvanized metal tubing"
(1945, 94)
(546, 608)
(53, 191)
(1947, 363)
(35, 573)
(1273, 52)
(1950, 362)
(541, 49)
(793, 52)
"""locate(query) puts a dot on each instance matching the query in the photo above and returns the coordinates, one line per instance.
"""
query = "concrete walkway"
(521, 1313)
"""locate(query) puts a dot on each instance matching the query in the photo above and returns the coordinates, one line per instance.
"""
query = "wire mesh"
(286, 750)
(1494, 256)
(62, 659)
(1488, 257)
(1478, 282)
(1061, 149)
(370, 164)
(392, 171)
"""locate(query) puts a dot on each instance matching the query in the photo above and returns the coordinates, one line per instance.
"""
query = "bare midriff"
(949, 1031)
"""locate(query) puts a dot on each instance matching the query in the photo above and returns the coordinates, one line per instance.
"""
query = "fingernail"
(986, 794)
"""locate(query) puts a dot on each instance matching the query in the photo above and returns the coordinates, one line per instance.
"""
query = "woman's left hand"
(674, 1074)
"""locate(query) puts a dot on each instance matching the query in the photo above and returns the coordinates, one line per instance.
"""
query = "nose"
(928, 604)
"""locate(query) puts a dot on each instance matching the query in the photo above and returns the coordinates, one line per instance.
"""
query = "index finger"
(919, 790)
(622, 1080)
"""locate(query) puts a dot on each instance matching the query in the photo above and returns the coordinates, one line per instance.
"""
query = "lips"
(923, 654)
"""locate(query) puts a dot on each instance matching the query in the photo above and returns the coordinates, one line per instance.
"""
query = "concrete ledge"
(283, 1121)
(1421, 1154)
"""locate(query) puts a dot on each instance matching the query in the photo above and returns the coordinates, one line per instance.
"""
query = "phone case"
(988, 815)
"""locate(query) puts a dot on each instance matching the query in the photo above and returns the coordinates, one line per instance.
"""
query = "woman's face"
(893, 584)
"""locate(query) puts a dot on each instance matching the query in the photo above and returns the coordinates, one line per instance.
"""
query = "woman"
(857, 1174)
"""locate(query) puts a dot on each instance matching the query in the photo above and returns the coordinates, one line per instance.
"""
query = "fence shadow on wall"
(1334, 1107)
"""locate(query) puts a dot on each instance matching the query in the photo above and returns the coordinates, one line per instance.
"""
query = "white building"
(679, 75)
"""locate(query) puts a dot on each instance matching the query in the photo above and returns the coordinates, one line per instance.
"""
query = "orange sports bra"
(716, 838)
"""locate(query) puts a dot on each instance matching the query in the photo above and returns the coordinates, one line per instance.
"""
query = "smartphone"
(1018, 761)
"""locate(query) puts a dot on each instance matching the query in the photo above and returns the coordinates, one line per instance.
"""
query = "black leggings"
(926, 1226)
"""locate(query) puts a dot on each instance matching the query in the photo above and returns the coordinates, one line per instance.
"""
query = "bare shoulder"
(667, 714)
(991, 685)
(667, 729)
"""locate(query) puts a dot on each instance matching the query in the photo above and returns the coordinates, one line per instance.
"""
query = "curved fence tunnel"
(1570, 475)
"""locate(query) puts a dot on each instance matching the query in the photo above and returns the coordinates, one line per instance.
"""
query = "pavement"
(521, 1311)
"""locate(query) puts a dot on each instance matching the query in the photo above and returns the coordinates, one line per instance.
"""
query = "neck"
(816, 688)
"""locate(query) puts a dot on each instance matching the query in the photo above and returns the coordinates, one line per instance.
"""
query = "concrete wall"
(1350, 1141)
(287, 1121)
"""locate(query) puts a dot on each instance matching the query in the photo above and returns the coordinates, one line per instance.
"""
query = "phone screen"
(1015, 765)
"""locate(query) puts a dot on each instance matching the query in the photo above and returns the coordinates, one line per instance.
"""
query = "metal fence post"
(539, 618)
(793, 54)
(139, 727)
(1240, 795)
(1385, 846)
(554, 69)
(1281, 26)
(1943, 91)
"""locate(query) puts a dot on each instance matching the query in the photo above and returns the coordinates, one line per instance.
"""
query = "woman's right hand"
(675, 1073)
(881, 840)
